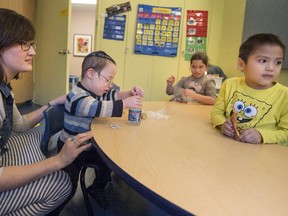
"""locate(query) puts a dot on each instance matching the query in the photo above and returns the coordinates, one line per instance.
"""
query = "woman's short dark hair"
(14, 28)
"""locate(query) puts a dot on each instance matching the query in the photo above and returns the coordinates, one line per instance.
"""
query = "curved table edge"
(150, 195)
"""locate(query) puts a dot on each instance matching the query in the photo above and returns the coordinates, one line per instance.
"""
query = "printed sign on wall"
(114, 27)
(157, 30)
(196, 32)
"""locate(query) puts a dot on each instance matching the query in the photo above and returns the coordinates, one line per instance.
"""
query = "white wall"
(82, 22)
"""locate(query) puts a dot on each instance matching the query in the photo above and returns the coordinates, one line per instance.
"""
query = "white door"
(51, 61)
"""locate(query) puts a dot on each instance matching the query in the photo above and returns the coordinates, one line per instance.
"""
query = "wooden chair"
(54, 123)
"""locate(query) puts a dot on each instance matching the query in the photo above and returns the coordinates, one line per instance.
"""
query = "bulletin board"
(114, 27)
(157, 30)
(196, 32)
(266, 16)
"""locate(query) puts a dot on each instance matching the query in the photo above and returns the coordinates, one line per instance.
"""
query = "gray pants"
(39, 197)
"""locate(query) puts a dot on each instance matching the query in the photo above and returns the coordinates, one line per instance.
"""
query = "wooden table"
(186, 167)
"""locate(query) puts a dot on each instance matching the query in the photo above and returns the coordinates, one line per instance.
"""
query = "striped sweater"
(82, 106)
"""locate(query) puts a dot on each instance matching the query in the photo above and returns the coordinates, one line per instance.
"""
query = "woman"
(23, 168)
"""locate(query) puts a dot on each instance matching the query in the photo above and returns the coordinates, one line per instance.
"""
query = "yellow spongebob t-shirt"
(266, 110)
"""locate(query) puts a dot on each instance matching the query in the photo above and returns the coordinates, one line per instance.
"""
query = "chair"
(54, 122)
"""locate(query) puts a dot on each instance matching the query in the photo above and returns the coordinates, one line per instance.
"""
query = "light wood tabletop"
(186, 167)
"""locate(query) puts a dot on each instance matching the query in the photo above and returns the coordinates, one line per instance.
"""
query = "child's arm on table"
(205, 99)
(226, 128)
(250, 135)
(132, 102)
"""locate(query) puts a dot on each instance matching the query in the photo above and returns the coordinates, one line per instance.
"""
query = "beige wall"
(82, 22)
(225, 26)
(231, 36)
(283, 78)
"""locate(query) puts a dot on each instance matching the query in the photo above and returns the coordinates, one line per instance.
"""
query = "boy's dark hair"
(96, 60)
(200, 56)
(14, 28)
(253, 42)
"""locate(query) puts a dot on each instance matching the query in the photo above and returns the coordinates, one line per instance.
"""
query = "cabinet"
(23, 87)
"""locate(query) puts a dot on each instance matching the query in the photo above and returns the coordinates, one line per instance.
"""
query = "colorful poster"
(194, 45)
(196, 32)
(114, 27)
(157, 30)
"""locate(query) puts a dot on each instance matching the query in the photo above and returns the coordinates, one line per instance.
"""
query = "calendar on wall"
(196, 32)
(157, 30)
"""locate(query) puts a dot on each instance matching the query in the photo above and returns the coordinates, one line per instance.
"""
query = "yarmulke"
(100, 54)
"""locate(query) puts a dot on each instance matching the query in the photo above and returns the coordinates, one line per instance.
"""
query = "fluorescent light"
(83, 1)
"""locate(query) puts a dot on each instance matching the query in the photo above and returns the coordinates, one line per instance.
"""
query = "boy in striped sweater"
(93, 97)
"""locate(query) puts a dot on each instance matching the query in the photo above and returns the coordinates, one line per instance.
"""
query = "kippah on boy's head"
(249, 46)
(96, 60)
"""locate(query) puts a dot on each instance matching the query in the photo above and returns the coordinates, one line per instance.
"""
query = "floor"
(123, 200)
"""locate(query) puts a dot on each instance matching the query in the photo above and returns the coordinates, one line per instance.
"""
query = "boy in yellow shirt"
(258, 99)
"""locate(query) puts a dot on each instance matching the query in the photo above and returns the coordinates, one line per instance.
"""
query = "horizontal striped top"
(82, 106)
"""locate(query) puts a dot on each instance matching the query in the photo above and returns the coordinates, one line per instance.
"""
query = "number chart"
(157, 30)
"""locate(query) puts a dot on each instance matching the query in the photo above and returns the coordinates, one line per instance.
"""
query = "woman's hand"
(72, 148)
(58, 101)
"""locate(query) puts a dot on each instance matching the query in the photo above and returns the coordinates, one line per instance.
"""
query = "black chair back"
(54, 122)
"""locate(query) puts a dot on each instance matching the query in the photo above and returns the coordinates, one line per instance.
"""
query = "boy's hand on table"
(227, 128)
(250, 135)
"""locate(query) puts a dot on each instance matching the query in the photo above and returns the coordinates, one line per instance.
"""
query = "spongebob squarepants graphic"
(250, 110)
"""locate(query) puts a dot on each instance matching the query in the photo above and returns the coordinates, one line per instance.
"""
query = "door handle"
(64, 52)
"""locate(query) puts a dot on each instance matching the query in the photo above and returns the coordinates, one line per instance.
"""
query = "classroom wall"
(231, 39)
(283, 78)
(225, 26)
(231, 36)
(82, 22)
(225, 30)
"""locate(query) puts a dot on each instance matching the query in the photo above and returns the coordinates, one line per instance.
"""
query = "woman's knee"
(59, 187)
